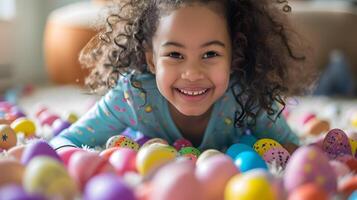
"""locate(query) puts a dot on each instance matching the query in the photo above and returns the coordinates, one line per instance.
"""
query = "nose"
(192, 73)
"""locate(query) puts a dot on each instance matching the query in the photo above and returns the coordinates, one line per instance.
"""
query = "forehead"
(195, 23)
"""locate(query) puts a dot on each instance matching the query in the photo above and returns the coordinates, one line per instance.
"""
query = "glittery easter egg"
(122, 141)
(207, 154)
(309, 191)
(25, 126)
(108, 187)
(336, 144)
(11, 171)
(38, 148)
(277, 155)
(47, 176)
(181, 143)
(155, 140)
(214, 173)
(245, 187)
(151, 157)
(308, 164)
(236, 149)
(8, 137)
(263, 145)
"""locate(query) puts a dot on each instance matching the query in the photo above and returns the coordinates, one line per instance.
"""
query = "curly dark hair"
(268, 56)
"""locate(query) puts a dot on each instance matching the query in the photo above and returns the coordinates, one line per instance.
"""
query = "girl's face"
(191, 58)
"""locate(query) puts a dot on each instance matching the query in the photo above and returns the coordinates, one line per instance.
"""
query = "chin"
(192, 112)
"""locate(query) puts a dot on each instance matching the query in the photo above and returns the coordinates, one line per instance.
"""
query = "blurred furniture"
(67, 31)
(328, 25)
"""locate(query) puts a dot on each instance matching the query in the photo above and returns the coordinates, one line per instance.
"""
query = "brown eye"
(210, 54)
(175, 55)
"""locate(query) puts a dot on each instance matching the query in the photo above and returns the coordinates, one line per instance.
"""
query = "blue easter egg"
(248, 160)
(236, 149)
(248, 140)
(353, 196)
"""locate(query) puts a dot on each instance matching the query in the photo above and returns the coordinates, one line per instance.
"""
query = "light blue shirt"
(125, 106)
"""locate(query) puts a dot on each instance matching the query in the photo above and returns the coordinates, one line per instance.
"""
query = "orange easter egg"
(308, 192)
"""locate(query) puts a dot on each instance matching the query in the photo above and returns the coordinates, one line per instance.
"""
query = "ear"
(149, 56)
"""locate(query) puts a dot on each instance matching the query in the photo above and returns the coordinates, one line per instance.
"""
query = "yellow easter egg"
(24, 126)
(48, 177)
(248, 188)
(353, 119)
(353, 144)
(207, 154)
(8, 137)
(263, 145)
(152, 156)
(71, 117)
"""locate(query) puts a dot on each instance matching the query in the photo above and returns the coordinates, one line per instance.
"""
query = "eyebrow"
(176, 44)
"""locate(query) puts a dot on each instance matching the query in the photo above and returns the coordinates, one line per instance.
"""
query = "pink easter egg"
(176, 181)
(339, 168)
(214, 173)
(279, 155)
(308, 164)
(66, 153)
(336, 144)
(181, 143)
(123, 160)
(83, 165)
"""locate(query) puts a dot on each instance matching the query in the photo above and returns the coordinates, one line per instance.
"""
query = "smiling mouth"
(193, 92)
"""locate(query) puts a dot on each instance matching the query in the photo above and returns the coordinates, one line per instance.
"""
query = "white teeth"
(193, 93)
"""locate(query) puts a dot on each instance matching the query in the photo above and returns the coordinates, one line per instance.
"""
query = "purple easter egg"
(38, 148)
(59, 125)
(17, 112)
(278, 155)
(107, 187)
(16, 192)
(142, 139)
(336, 144)
(309, 164)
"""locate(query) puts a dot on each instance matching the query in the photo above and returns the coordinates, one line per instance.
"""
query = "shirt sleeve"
(275, 128)
(108, 117)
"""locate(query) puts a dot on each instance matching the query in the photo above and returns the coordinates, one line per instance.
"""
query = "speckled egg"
(107, 187)
(309, 191)
(11, 171)
(277, 155)
(181, 143)
(182, 183)
(152, 156)
(246, 187)
(47, 176)
(122, 141)
(84, 165)
(38, 148)
(309, 164)
(190, 152)
(123, 160)
(207, 154)
(214, 173)
(263, 145)
(336, 144)
(8, 137)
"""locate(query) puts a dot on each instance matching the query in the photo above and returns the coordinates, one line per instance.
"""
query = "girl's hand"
(291, 147)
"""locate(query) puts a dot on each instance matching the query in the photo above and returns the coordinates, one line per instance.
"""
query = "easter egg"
(307, 117)
(180, 143)
(107, 187)
(249, 160)
(47, 118)
(348, 186)
(353, 119)
(316, 126)
(123, 160)
(155, 140)
(214, 173)
(8, 137)
(142, 139)
(336, 144)
(277, 155)
(11, 171)
(58, 126)
(71, 117)
(66, 153)
(16, 151)
(263, 145)
(122, 141)
(83, 165)
(25, 126)
(16, 192)
(353, 196)
(106, 153)
(352, 134)
(245, 187)
(339, 168)
(38, 148)
(236, 149)
(207, 154)
(353, 144)
(152, 156)
(309, 191)
(309, 164)
(190, 151)
(47, 176)
(182, 183)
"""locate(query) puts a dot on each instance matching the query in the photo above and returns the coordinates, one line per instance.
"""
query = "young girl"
(203, 70)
